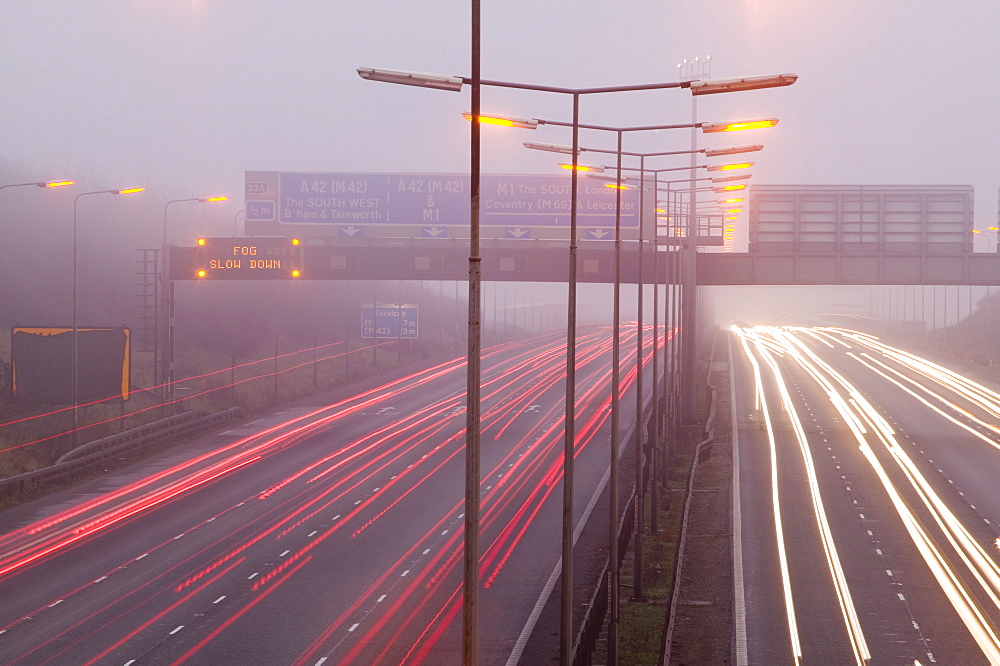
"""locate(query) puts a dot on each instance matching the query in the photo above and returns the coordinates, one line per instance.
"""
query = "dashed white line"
(313, 533)
(100, 579)
(253, 575)
(427, 551)
(141, 556)
(178, 537)
(379, 600)
(284, 553)
(443, 533)
(353, 627)
(55, 603)
(404, 573)
(321, 661)
(336, 517)
(862, 516)
(357, 503)
(219, 599)
(901, 597)
(176, 630)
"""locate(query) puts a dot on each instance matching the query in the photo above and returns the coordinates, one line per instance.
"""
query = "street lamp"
(165, 374)
(730, 167)
(76, 330)
(764, 123)
(472, 481)
(618, 179)
(42, 183)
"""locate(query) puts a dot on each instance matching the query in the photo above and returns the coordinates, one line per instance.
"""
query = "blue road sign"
(392, 321)
(377, 203)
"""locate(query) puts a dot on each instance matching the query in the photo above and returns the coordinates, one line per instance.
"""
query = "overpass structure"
(548, 261)
(410, 227)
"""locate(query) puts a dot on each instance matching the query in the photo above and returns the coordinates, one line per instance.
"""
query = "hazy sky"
(184, 95)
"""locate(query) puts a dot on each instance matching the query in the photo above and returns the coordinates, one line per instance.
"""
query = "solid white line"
(739, 605)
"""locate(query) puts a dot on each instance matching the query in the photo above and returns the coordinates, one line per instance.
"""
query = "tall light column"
(76, 330)
(455, 83)
(43, 183)
(164, 376)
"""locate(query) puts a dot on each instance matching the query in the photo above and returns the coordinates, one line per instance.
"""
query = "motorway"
(865, 504)
(328, 533)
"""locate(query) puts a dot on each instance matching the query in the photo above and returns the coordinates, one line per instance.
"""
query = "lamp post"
(76, 330)
(42, 183)
(472, 481)
(166, 310)
(615, 363)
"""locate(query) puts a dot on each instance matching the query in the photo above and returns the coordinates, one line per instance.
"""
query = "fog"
(183, 97)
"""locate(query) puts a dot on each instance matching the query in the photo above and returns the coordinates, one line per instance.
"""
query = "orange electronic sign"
(261, 258)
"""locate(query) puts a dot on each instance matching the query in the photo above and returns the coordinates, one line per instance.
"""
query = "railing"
(597, 609)
(87, 456)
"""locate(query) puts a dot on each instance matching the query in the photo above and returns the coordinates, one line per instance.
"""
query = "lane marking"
(353, 627)
(176, 630)
(219, 599)
(742, 658)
